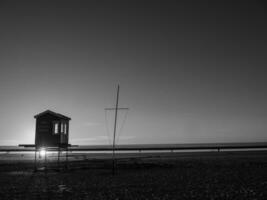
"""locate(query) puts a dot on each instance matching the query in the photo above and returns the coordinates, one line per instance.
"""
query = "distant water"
(91, 152)
(163, 145)
(170, 146)
(177, 145)
(146, 146)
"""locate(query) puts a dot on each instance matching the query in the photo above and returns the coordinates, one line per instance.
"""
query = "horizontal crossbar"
(117, 108)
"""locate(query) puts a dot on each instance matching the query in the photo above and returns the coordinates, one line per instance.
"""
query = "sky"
(189, 71)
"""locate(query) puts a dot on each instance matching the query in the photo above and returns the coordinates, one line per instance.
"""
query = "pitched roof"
(52, 113)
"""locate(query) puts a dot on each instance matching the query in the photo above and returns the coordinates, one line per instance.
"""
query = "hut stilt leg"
(35, 163)
(67, 159)
(45, 162)
(58, 157)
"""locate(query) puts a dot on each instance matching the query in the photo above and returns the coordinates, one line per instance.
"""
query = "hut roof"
(52, 113)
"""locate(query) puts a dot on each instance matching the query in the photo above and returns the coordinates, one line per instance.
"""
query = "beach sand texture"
(223, 176)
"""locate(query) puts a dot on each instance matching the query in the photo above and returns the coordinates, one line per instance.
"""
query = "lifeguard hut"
(51, 134)
(52, 129)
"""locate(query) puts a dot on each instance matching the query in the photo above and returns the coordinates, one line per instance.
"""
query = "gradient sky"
(190, 71)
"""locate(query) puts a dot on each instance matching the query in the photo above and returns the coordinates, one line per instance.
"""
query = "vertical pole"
(67, 157)
(58, 154)
(114, 134)
(45, 160)
(35, 166)
(36, 142)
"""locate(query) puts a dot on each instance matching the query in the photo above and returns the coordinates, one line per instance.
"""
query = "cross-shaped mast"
(115, 128)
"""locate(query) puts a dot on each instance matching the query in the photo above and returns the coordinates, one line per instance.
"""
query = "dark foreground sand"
(222, 175)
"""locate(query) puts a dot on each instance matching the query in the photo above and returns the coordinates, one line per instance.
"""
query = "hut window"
(55, 128)
(62, 127)
(65, 128)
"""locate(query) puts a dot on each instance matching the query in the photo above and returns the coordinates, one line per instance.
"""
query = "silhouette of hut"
(52, 129)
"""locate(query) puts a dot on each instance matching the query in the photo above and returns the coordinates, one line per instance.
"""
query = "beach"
(202, 175)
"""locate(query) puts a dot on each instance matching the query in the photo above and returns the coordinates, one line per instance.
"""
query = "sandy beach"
(225, 175)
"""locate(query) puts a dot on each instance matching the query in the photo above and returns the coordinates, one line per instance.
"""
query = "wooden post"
(67, 157)
(114, 133)
(45, 160)
(115, 127)
(58, 157)
(35, 164)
